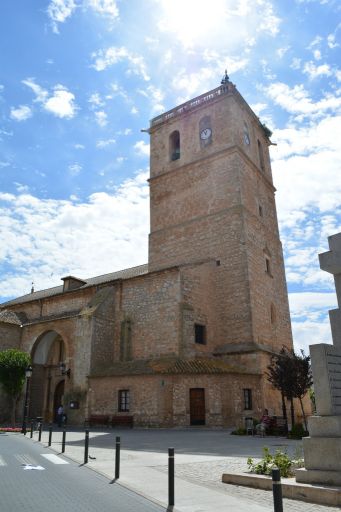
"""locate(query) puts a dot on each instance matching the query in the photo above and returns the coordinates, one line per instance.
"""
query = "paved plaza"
(201, 456)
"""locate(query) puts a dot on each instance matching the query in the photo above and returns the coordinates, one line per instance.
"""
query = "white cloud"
(75, 169)
(314, 71)
(317, 54)
(193, 22)
(59, 10)
(96, 100)
(4, 164)
(296, 100)
(104, 143)
(310, 320)
(331, 41)
(61, 104)
(41, 236)
(79, 146)
(113, 55)
(141, 148)
(101, 118)
(21, 113)
(104, 7)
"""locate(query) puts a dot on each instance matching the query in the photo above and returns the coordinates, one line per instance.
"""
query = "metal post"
(24, 421)
(50, 435)
(31, 434)
(40, 429)
(170, 477)
(277, 490)
(117, 458)
(86, 447)
(63, 440)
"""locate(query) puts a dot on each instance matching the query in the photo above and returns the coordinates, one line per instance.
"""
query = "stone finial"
(32, 288)
(225, 78)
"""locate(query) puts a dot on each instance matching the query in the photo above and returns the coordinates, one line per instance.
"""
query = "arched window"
(272, 314)
(246, 134)
(174, 145)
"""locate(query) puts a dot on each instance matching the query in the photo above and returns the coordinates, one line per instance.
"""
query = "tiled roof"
(9, 317)
(92, 281)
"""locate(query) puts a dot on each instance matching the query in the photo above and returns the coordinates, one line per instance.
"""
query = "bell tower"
(212, 198)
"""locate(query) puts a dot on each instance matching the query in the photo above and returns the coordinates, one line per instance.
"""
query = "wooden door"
(197, 406)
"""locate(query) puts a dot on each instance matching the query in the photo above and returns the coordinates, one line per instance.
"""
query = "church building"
(186, 338)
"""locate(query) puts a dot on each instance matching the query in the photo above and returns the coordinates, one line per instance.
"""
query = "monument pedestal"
(322, 452)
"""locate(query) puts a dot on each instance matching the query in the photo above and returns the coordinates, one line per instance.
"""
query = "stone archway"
(48, 352)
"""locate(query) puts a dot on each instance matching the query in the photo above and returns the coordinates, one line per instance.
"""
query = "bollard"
(63, 440)
(31, 434)
(86, 447)
(170, 477)
(50, 435)
(40, 429)
(277, 490)
(117, 458)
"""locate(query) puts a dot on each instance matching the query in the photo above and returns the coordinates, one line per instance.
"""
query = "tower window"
(272, 314)
(261, 155)
(267, 266)
(174, 145)
(246, 134)
(247, 399)
(200, 334)
(123, 400)
(260, 210)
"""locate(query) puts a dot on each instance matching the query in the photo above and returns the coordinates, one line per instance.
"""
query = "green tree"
(13, 364)
(290, 373)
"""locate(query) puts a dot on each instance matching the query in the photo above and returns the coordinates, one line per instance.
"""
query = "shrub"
(280, 460)
(297, 432)
(239, 432)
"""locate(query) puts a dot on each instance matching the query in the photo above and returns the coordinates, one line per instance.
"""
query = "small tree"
(13, 364)
(291, 375)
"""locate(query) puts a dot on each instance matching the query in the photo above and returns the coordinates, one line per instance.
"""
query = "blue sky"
(79, 79)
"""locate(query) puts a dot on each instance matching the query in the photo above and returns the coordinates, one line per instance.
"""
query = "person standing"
(60, 412)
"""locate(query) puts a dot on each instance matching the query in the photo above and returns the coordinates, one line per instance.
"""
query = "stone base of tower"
(322, 452)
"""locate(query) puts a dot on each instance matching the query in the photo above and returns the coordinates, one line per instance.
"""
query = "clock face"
(206, 134)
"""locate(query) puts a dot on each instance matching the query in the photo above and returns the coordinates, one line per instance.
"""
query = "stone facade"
(185, 339)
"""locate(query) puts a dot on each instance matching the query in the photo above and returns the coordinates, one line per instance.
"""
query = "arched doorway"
(47, 382)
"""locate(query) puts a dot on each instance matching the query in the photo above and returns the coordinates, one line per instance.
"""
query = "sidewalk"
(201, 456)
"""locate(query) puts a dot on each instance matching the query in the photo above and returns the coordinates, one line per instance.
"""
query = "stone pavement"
(201, 456)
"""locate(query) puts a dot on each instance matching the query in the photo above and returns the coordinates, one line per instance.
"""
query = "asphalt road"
(61, 486)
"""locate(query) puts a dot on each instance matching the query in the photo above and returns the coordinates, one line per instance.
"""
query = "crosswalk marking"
(2, 462)
(54, 458)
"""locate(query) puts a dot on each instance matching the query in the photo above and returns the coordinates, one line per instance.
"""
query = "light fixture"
(63, 370)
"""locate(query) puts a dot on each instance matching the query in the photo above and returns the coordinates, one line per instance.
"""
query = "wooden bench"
(278, 426)
(122, 421)
(99, 419)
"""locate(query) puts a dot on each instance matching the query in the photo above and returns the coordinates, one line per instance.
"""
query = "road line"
(2, 461)
(54, 458)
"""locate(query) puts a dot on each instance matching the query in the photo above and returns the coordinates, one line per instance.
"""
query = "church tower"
(212, 199)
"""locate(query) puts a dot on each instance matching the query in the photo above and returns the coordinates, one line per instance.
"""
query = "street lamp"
(28, 375)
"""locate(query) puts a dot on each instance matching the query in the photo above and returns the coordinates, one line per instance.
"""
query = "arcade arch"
(47, 383)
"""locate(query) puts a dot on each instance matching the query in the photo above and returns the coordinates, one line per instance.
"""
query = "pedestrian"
(60, 413)
(264, 423)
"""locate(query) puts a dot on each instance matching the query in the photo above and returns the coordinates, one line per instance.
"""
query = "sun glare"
(193, 20)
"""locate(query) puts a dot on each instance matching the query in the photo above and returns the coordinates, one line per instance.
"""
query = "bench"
(278, 426)
(122, 421)
(99, 419)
